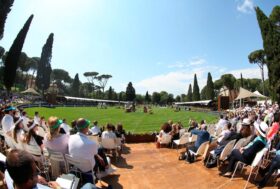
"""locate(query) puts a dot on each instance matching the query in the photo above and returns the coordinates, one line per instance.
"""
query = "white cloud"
(245, 6)
(195, 61)
(250, 73)
(175, 82)
(177, 65)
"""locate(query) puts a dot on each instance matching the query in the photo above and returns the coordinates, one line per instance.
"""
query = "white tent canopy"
(260, 95)
(243, 93)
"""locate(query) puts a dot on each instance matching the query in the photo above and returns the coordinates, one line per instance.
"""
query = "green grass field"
(136, 122)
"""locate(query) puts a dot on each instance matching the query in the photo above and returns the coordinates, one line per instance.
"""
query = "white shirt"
(25, 122)
(223, 134)
(221, 124)
(7, 123)
(108, 134)
(95, 130)
(37, 119)
(8, 126)
(66, 128)
(20, 136)
(58, 144)
(81, 147)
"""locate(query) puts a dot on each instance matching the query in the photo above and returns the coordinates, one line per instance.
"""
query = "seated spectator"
(82, 147)
(32, 138)
(22, 172)
(37, 118)
(8, 124)
(65, 127)
(25, 120)
(274, 128)
(120, 132)
(202, 136)
(193, 125)
(54, 140)
(175, 132)
(218, 148)
(222, 122)
(165, 130)
(74, 129)
(43, 123)
(18, 133)
(267, 172)
(226, 131)
(247, 154)
(95, 130)
(109, 132)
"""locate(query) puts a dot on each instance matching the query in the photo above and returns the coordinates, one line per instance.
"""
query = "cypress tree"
(147, 97)
(11, 61)
(76, 86)
(110, 93)
(5, 8)
(271, 42)
(44, 66)
(196, 95)
(189, 95)
(130, 92)
(241, 81)
(209, 91)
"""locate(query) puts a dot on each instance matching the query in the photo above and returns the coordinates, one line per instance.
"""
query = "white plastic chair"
(200, 150)
(256, 163)
(110, 144)
(41, 132)
(165, 139)
(73, 164)
(57, 159)
(226, 151)
(182, 132)
(240, 143)
(182, 141)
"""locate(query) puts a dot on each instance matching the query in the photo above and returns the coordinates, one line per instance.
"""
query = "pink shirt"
(272, 130)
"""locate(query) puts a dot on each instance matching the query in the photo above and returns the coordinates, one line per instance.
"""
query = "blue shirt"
(202, 136)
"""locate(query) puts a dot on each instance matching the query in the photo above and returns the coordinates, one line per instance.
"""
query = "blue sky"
(156, 44)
